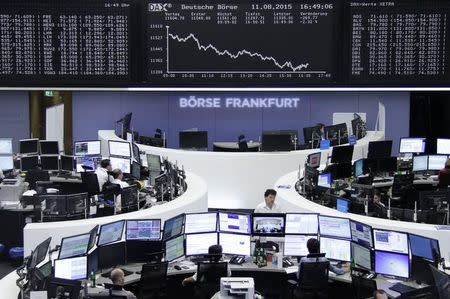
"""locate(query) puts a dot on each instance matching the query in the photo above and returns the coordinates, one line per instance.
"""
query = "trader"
(118, 177)
(269, 205)
(380, 294)
(118, 279)
(377, 198)
(102, 173)
(444, 175)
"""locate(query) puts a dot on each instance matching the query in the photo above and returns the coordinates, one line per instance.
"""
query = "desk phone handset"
(370, 276)
(237, 259)
(287, 263)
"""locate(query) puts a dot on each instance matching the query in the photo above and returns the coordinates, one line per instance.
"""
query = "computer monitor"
(74, 246)
(93, 237)
(136, 153)
(193, 139)
(436, 162)
(392, 264)
(28, 146)
(87, 148)
(173, 227)
(370, 166)
(67, 163)
(420, 163)
(174, 248)
(358, 167)
(310, 133)
(311, 176)
(143, 230)
(48, 147)
(136, 170)
(334, 227)
(71, 268)
(50, 163)
(424, 247)
(280, 142)
(379, 149)
(235, 244)
(76, 203)
(362, 256)
(336, 249)
(111, 232)
(70, 288)
(342, 154)
(40, 252)
(119, 148)
(200, 223)
(92, 162)
(412, 145)
(337, 134)
(29, 163)
(314, 160)
(6, 162)
(295, 245)
(387, 164)
(111, 255)
(55, 205)
(302, 223)
(443, 146)
(154, 163)
(234, 223)
(6, 147)
(391, 241)
(324, 180)
(123, 164)
(342, 205)
(198, 244)
(361, 233)
(268, 224)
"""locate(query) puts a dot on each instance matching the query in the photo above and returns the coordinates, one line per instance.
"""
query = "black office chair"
(154, 280)
(428, 292)
(208, 278)
(242, 143)
(129, 197)
(36, 175)
(90, 183)
(158, 133)
(362, 287)
(444, 180)
(312, 282)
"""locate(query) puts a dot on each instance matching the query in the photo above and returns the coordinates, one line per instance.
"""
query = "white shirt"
(122, 184)
(1, 174)
(103, 177)
(263, 208)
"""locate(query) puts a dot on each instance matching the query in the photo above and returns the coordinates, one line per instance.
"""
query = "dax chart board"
(250, 43)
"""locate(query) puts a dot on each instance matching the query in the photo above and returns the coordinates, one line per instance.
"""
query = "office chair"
(90, 183)
(158, 133)
(208, 278)
(312, 281)
(242, 143)
(129, 197)
(428, 292)
(362, 287)
(36, 175)
(153, 280)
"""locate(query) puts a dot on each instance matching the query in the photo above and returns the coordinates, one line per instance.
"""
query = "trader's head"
(215, 251)
(380, 294)
(106, 163)
(321, 127)
(118, 277)
(269, 197)
(117, 174)
(376, 196)
(313, 245)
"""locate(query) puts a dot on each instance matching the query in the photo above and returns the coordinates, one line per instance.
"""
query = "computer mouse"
(176, 267)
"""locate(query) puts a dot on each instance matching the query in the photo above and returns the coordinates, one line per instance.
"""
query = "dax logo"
(157, 7)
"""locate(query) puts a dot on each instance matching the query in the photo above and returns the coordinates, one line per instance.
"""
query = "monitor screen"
(6, 162)
(334, 227)
(361, 233)
(379, 149)
(268, 224)
(193, 139)
(235, 244)
(123, 164)
(324, 180)
(412, 145)
(420, 163)
(174, 248)
(93, 237)
(40, 252)
(67, 163)
(90, 161)
(173, 227)
(49, 147)
(29, 163)
(424, 247)
(391, 241)
(358, 167)
(443, 146)
(136, 170)
(72, 268)
(119, 149)
(136, 153)
(28, 146)
(342, 205)
(295, 245)
(394, 264)
(6, 147)
(87, 148)
(235, 223)
(314, 160)
(198, 244)
(342, 154)
(50, 163)
(436, 162)
(362, 256)
(302, 223)
(388, 164)
(200, 223)
(74, 246)
(111, 232)
(143, 230)
(336, 249)
(154, 163)
(111, 255)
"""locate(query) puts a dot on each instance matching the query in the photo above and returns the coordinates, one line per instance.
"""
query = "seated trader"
(269, 205)
(321, 131)
(2, 176)
(118, 279)
(377, 198)
(102, 173)
(380, 294)
(118, 177)
(313, 246)
(444, 175)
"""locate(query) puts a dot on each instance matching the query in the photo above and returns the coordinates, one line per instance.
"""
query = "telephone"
(287, 263)
(237, 260)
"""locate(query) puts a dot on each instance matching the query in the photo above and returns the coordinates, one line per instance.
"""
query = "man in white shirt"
(269, 205)
(102, 173)
(118, 177)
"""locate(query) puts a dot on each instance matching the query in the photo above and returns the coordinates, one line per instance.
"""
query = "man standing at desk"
(269, 205)
(102, 173)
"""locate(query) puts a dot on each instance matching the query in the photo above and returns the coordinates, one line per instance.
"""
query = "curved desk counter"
(195, 199)
(293, 202)
(238, 180)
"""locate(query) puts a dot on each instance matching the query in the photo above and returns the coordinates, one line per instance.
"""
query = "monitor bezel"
(140, 240)
(30, 153)
(249, 217)
(200, 213)
(121, 156)
(182, 226)
(74, 236)
(79, 279)
(49, 156)
(425, 258)
(337, 237)
(400, 145)
(111, 242)
(371, 233)
(199, 254)
(387, 274)
(28, 157)
(262, 215)
(285, 224)
(184, 247)
(242, 235)
(395, 231)
(48, 141)
(87, 141)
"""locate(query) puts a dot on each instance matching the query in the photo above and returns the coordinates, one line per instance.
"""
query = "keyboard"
(401, 288)
(381, 180)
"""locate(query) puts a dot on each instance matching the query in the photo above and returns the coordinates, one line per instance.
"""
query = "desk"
(234, 146)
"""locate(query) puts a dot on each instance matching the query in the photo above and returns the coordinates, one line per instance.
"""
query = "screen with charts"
(420, 163)
(87, 148)
(6, 162)
(71, 268)
(173, 227)
(436, 162)
(358, 167)
(361, 233)
(198, 244)
(143, 230)
(235, 244)
(334, 227)
(391, 241)
(232, 222)
(443, 146)
(6, 146)
(324, 180)
(92, 162)
(110, 232)
(302, 223)
(362, 256)
(295, 245)
(412, 145)
(394, 264)
(121, 163)
(74, 246)
(200, 223)
(268, 224)
(174, 248)
(119, 148)
(335, 249)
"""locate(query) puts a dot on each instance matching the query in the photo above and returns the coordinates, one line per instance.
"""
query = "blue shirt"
(333, 268)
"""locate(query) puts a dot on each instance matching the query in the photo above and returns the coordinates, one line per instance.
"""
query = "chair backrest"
(363, 287)
(428, 292)
(90, 183)
(444, 179)
(36, 175)
(314, 275)
(129, 196)
(211, 272)
(243, 146)
(153, 277)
